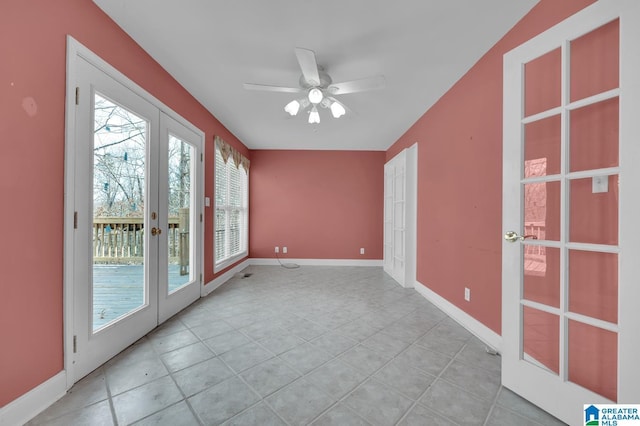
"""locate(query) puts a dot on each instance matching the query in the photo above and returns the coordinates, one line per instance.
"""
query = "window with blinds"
(232, 207)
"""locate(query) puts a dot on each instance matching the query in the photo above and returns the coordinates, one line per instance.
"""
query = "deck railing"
(121, 240)
(537, 229)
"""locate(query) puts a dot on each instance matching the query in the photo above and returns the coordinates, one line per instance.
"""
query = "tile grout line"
(438, 377)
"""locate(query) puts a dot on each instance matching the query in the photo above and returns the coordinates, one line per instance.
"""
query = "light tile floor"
(314, 345)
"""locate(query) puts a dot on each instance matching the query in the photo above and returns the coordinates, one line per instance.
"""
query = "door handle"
(157, 231)
(513, 236)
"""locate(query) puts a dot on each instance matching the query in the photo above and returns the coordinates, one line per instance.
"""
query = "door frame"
(629, 208)
(76, 50)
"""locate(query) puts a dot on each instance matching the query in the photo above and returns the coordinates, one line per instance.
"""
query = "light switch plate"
(599, 184)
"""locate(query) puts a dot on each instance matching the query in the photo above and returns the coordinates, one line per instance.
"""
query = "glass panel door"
(180, 206)
(119, 191)
(570, 213)
(180, 177)
(116, 233)
(570, 189)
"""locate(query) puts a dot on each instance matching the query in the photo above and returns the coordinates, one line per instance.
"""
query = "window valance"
(227, 151)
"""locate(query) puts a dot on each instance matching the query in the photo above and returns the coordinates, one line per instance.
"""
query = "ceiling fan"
(319, 89)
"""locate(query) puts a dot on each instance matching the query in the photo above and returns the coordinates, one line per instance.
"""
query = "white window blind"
(232, 208)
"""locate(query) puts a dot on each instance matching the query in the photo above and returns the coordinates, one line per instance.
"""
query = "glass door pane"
(119, 187)
(181, 203)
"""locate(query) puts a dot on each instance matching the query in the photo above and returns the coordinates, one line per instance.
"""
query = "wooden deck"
(118, 289)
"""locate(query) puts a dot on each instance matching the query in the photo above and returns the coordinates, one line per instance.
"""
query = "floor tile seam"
(261, 399)
(335, 404)
(76, 410)
(469, 363)
(162, 409)
(185, 398)
(190, 328)
(414, 340)
(437, 377)
(493, 406)
(355, 389)
(190, 365)
(303, 375)
(370, 377)
(110, 396)
(512, 411)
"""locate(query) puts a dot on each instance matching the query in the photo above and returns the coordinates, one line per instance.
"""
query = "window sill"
(229, 261)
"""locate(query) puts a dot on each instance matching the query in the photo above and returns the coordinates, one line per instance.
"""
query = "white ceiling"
(212, 47)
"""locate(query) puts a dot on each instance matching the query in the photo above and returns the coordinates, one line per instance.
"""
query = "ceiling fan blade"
(308, 65)
(370, 83)
(267, 88)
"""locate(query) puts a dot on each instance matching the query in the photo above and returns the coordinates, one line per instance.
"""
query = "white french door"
(570, 213)
(400, 216)
(137, 238)
(394, 217)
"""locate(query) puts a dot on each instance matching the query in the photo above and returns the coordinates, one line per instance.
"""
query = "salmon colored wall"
(32, 94)
(319, 204)
(460, 176)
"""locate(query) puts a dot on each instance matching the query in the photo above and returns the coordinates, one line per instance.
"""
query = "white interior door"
(570, 213)
(394, 217)
(400, 216)
(137, 238)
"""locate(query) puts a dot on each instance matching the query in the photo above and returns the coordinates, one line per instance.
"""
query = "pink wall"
(319, 204)
(32, 93)
(460, 176)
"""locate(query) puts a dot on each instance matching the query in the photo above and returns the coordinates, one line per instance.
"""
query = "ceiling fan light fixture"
(292, 107)
(315, 96)
(314, 116)
(337, 110)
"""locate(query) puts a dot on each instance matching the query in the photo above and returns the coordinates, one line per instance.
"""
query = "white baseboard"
(221, 279)
(317, 262)
(32, 403)
(481, 331)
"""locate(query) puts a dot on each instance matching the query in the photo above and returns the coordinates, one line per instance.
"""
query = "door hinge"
(75, 344)
(75, 220)
(200, 217)
(201, 157)
(200, 278)
(77, 96)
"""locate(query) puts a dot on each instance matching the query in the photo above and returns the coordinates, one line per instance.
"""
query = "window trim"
(218, 266)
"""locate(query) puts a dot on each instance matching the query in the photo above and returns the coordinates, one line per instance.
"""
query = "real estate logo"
(612, 414)
(592, 416)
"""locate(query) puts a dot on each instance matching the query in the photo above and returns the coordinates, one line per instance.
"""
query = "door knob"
(157, 231)
(513, 236)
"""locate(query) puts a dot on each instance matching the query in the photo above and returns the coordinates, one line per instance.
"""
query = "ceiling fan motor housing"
(325, 81)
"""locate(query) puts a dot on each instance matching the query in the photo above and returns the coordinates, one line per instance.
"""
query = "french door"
(394, 217)
(137, 221)
(570, 213)
(400, 213)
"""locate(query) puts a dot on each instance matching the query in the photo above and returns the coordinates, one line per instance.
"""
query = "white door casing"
(554, 392)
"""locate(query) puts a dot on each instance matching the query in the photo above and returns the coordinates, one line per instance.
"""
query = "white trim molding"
(317, 262)
(492, 339)
(27, 406)
(223, 278)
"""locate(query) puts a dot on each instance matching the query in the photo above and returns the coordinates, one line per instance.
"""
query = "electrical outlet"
(284, 250)
(277, 249)
(467, 294)
(362, 250)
